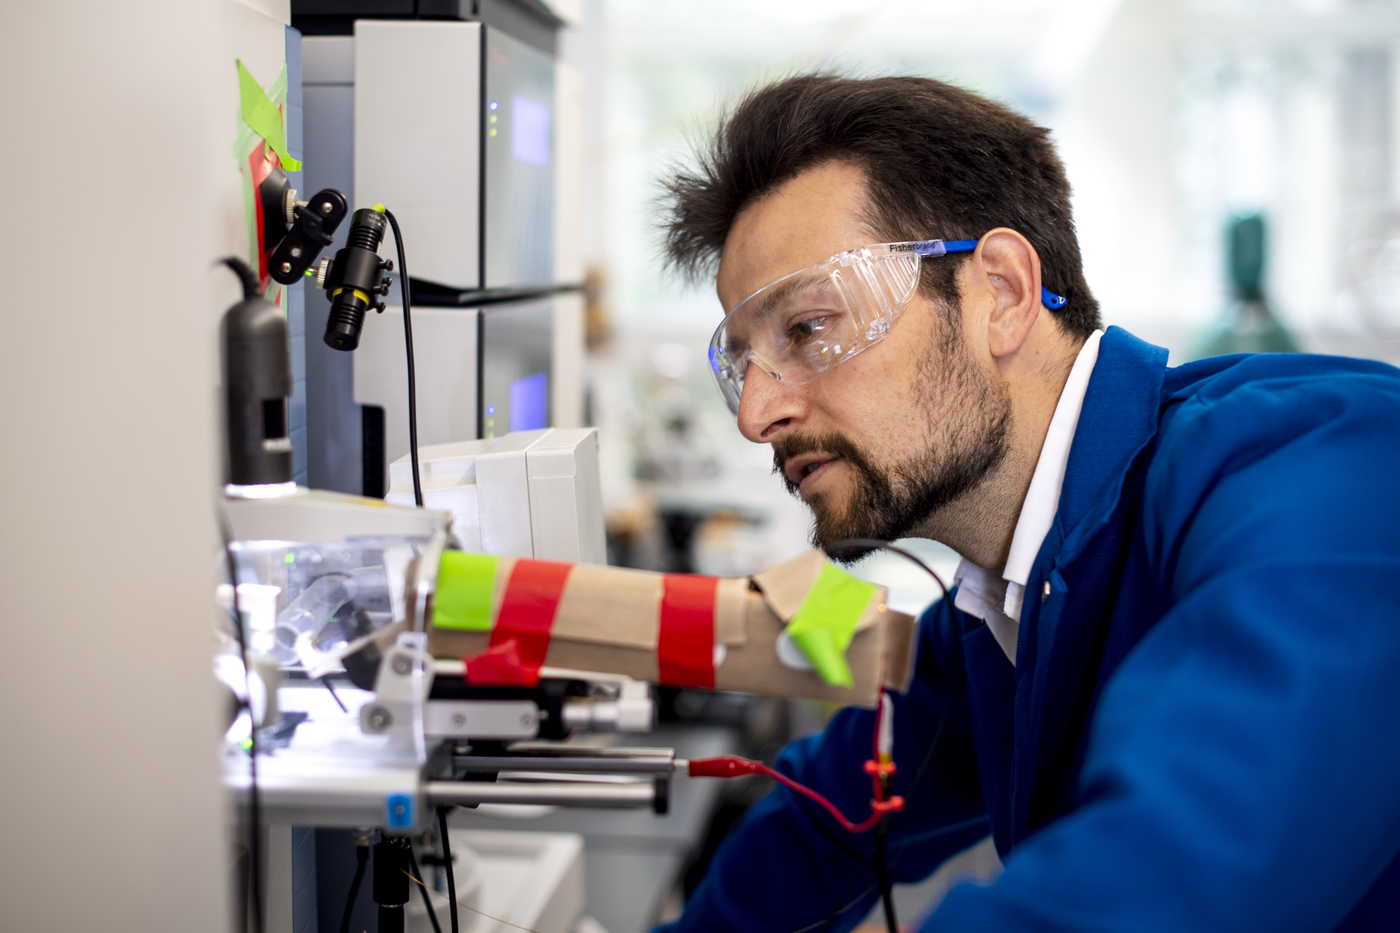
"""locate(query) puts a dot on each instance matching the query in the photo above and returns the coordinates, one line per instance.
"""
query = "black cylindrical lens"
(346, 319)
(367, 228)
(354, 277)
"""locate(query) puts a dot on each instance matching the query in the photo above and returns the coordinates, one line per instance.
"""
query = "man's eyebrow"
(797, 282)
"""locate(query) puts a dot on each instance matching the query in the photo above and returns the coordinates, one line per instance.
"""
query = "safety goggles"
(805, 323)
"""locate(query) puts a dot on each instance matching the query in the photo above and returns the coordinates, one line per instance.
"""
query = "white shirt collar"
(980, 592)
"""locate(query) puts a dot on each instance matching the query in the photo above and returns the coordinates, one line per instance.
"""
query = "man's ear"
(1010, 270)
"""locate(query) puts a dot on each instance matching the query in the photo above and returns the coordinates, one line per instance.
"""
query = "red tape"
(500, 667)
(522, 625)
(685, 640)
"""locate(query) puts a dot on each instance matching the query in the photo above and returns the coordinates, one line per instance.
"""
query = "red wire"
(875, 748)
(726, 766)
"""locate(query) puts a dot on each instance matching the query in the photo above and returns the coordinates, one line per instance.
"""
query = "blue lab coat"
(1202, 728)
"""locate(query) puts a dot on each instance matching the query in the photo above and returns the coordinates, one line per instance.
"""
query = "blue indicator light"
(399, 810)
(490, 409)
(529, 402)
(492, 106)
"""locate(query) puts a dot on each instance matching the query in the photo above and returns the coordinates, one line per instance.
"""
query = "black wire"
(447, 862)
(882, 872)
(251, 287)
(334, 696)
(408, 346)
(842, 905)
(882, 869)
(422, 889)
(361, 860)
(877, 544)
(878, 852)
(254, 797)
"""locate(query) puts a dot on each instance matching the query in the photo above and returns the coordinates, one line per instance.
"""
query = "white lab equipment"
(525, 494)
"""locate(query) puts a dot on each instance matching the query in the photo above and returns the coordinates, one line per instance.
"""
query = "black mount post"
(391, 882)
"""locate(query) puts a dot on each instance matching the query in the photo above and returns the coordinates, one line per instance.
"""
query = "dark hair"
(940, 162)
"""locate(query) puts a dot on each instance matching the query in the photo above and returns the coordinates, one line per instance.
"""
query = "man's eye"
(801, 331)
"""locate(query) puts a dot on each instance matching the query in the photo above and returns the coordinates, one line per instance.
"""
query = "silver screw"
(296, 251)
(286, 267)
(401, 664)
(459, 719)
(325, 207)
(527, 720)
(379, 719)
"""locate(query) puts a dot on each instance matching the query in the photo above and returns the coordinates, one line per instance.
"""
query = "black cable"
(254, 797)
(408, 346)
(447, 862)
(882, 869)
(249, 279)
(877, 544)
(422, 889)
(882, 873)
(361, 860)
(334, 696)
(878, 852)
(842, 905)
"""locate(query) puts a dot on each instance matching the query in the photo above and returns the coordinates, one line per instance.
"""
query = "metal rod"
(647, 765)
(584, 751)
(609, 796)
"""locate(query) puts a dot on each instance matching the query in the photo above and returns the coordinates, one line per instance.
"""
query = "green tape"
(260, 113)
(826, 622)
(465, 587)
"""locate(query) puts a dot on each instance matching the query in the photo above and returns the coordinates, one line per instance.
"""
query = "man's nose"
(767, 406)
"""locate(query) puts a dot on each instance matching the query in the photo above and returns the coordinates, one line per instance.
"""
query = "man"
(1167, 685)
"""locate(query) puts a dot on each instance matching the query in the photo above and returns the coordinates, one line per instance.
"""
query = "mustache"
(795, 445)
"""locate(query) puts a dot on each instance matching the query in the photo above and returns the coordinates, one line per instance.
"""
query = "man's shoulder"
(1242, 400)
(1246, 378)
(1279, 427)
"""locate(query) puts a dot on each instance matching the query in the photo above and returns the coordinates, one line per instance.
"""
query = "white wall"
(117, 144)
(1113, 125)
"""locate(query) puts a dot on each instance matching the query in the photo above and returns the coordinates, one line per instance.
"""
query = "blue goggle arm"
(941, 247)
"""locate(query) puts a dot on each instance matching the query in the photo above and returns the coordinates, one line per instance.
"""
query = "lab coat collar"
(996, 599)
(1043, 495)
(1073, 575)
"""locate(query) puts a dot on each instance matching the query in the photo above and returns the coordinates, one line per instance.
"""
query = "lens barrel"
(353, 278)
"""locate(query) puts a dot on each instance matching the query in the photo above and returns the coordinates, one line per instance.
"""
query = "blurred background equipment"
(461, 119)
(1250, 326)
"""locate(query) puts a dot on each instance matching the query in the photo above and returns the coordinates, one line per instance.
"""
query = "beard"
(966, 415)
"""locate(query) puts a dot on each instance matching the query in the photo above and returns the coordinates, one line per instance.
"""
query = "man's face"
(877, 445)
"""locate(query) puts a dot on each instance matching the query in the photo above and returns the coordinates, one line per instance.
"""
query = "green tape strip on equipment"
(260, 113)
(826, 622)
(465, 587)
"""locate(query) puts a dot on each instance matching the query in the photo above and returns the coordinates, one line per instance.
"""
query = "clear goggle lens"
(805, 323)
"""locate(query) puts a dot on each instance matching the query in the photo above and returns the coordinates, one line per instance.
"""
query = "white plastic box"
(526, 494)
